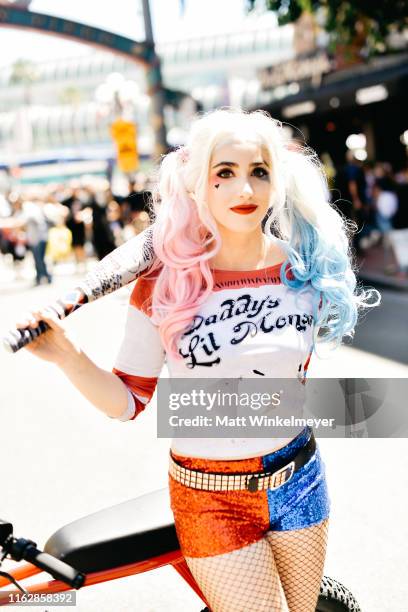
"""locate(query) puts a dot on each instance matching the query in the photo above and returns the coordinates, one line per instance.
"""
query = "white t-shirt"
(251, 325)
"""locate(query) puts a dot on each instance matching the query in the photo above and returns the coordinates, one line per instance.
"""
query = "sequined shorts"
(212, 523)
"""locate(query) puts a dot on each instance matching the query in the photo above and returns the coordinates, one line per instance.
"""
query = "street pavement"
(62, 459)
(382, 268)
(383, 330)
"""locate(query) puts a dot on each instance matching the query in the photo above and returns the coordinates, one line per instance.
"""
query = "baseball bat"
(122, 266)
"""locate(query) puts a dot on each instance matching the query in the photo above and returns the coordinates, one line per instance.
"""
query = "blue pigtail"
(312, 259)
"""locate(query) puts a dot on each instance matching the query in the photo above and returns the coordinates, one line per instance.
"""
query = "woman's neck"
(245, 252)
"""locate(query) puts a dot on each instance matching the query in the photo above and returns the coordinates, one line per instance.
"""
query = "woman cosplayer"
(244, 238)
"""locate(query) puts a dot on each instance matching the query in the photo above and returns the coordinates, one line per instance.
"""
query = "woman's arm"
(103, 389)
(126, 391)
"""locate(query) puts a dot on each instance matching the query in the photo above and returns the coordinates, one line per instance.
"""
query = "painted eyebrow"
(234, 165)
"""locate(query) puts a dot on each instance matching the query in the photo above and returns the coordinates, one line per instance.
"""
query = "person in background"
(12, 240)
(115, 222)
(59, 245)
(351, 183)
(30, 216)
(386, 205)
(136, 206)
(400, 221)
(102, 236)
(76, 224)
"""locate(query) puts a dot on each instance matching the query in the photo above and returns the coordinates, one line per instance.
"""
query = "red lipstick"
(244, 209)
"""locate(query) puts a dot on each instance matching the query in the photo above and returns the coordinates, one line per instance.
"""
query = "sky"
(122, 17)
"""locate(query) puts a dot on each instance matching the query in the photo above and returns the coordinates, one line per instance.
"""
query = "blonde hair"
(310, 230)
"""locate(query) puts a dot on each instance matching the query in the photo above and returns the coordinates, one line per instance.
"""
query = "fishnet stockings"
(244, 580)
(299, 557)
(280, 573)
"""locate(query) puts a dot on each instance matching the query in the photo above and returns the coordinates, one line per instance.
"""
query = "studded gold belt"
(211, 481)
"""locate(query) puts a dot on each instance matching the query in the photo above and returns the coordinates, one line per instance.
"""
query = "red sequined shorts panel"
(215, 522)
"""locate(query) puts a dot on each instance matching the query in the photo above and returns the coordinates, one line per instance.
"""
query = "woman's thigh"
(299, 556)
(243, 580)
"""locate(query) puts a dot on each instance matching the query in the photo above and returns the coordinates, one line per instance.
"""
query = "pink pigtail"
(180, 239)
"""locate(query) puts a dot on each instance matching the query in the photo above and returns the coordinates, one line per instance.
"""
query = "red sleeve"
(140, 387)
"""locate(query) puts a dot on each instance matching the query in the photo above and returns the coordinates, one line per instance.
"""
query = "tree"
(70, 95)
(347, 21)
(24, 72)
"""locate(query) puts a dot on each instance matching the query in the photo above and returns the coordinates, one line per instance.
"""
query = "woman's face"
(239, 186)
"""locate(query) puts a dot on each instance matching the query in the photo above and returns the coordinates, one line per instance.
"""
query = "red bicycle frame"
(173, 558)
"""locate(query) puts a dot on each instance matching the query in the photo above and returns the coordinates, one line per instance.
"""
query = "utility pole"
(155, 86)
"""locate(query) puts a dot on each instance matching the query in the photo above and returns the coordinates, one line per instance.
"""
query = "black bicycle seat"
(135, 530)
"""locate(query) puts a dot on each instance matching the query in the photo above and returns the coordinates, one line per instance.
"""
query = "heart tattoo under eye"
(216, 186)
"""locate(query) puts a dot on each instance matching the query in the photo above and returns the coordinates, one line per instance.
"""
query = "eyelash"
(265, 173)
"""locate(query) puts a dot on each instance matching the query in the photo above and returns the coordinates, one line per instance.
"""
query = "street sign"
(124, 134)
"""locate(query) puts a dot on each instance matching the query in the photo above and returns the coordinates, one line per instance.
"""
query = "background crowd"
(75, 222)
(373, 196)
(85, 219)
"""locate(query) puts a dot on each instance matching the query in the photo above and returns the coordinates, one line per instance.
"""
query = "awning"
(389, 71)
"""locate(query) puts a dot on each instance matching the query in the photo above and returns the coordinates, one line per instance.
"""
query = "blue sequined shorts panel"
(304, 500)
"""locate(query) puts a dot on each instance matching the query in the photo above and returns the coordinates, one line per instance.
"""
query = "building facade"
(64, 108)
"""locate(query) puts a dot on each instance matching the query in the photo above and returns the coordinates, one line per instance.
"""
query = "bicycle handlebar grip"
(55, 567)
(17, 338)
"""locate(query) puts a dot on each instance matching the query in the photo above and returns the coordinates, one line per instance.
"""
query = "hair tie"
(183, 155)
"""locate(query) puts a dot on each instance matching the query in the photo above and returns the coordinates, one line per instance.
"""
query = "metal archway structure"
(142, 53)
